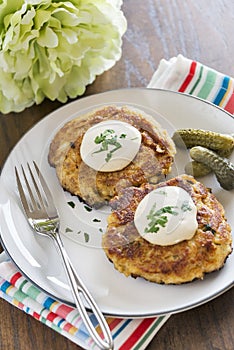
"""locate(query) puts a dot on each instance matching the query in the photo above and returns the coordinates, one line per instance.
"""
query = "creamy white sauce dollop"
(110, 145)
(166, 216)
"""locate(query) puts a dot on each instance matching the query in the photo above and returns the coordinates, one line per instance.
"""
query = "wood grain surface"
(200, 30)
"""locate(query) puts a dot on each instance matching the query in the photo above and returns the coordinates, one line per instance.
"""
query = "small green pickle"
(222, 167)
(197, 169)
(223, 144)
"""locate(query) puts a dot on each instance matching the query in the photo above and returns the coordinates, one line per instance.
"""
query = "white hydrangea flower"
(54, 49)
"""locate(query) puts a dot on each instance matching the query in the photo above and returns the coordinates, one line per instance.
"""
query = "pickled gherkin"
(223, 144)
(222, 167)
(197, 169)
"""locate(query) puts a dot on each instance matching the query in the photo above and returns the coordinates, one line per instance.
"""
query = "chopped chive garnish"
(107, 140)
(72, 204)
(158, 218)
(88, 208)
(86, 237)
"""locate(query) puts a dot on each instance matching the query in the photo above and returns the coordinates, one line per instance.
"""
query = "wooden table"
(201, 30)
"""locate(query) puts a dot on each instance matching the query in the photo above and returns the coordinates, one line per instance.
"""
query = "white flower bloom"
(54, 49)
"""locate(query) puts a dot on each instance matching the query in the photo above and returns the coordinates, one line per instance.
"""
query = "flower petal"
(54, 49)
(47, 38)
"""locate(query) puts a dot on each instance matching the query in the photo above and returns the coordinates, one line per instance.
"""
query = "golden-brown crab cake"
(152, 162)
(185, 261)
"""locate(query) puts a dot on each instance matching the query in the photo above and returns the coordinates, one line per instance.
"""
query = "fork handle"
(78, 289)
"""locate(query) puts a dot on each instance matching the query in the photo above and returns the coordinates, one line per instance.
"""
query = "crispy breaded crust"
(153, 160)
(132, 255)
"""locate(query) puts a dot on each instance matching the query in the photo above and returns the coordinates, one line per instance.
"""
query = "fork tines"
(33, 190)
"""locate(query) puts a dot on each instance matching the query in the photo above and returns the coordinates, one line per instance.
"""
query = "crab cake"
(185, 261)
(151, 163)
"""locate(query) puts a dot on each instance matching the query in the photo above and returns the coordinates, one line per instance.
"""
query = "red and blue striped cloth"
(178, 74)
(128, 334)
(192, 77)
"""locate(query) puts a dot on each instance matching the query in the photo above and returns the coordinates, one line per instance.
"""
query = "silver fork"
(43, 217)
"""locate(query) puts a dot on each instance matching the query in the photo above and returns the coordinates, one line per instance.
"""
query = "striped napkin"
(191, 77)
(17, 290)
(178, 74)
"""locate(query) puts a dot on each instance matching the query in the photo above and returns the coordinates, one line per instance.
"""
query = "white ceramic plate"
(81, 229)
